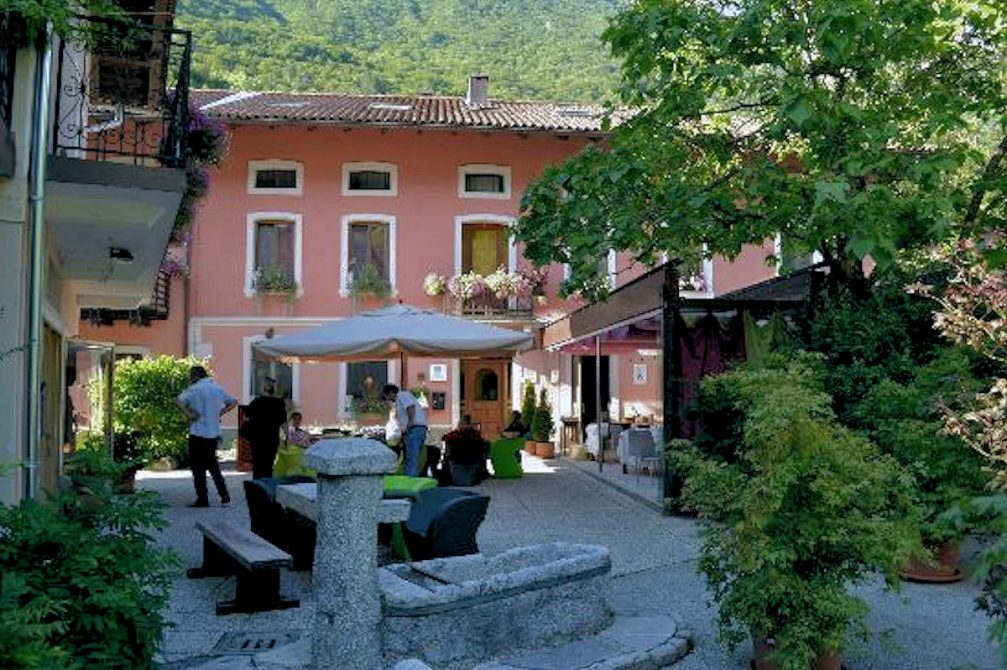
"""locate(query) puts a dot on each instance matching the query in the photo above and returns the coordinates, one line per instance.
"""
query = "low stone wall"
(456, 612)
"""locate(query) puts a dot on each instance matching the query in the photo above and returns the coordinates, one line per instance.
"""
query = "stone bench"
(228, 550)
(456, 612)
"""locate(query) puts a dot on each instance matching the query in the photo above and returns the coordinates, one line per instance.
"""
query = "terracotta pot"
(945, 568)
(545, 450)
(762, 649)
(529, 446)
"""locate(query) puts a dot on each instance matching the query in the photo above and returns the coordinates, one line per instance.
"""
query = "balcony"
(117, 170)
(123, 95)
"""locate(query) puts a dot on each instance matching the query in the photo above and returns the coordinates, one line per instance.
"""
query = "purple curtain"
(707, 347)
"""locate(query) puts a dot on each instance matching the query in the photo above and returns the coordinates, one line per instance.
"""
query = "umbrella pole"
(403, 375)
(597, 402)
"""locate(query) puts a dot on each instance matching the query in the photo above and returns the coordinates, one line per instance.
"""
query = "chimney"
(478, 95)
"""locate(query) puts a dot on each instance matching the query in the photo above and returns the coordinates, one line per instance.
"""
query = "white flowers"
(434, 284)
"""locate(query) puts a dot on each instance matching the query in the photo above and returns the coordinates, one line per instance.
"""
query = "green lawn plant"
(807, 510)
(144, 404)
(528, 404)
(81, 582)
(541, 424)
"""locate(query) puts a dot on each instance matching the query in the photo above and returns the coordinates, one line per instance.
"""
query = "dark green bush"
(807, 509)
(528, 405)
(904, 420)
(541, 425)
(865, 340)
(82, 585)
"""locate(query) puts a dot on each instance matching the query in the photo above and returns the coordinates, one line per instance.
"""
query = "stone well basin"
(456, 612)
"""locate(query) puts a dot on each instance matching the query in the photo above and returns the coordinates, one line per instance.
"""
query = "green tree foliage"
(541, 423)
(540, 49)
(807, 509)
(853, 127)
(528, 404)
(82, 585)
(144, 403)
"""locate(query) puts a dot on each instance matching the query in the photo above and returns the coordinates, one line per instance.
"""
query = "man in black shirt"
(266, 414)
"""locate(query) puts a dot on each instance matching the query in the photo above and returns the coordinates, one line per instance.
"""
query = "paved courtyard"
(654, 568)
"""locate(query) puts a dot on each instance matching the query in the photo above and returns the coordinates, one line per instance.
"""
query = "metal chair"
(641, 450)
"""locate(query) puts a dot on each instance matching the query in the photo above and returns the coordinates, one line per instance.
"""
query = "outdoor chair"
(272, 522)
(641, 451)
(466, 461)
(505, 454)
(444, 522)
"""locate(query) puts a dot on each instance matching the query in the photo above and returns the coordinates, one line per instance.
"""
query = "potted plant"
(807, 509)
(904, 421)
(528, 413)
(275, 280)
(367, 285)
(542, 428)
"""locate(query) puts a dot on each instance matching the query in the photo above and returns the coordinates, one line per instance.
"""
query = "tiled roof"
(428, 111)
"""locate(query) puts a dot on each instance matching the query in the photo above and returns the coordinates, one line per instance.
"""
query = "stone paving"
(925, 627)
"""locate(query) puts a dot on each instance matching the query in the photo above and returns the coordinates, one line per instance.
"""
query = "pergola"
(644, 313)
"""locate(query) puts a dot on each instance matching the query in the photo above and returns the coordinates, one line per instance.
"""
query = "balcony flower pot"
(941, 570)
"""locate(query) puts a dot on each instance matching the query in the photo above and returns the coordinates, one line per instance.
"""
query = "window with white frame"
(607, 267)
(273, 253)
(274, 177)
(283, 373)
(370, 179)
(484, 181)
(483, 243)
(368, 251)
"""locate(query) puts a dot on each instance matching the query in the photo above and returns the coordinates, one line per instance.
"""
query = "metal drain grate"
(252, 643)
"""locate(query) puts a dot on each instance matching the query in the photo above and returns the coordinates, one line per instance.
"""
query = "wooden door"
(485, 396)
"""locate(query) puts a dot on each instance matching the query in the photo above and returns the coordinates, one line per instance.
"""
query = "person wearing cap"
(265, 414)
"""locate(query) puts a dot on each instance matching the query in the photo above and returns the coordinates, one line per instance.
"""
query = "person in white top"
(412, 420)
(204, 402)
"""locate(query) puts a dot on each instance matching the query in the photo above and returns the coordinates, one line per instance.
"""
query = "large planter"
(545, 450)
(529, 446)
(943, 570)
(762, 649)
(370, 419)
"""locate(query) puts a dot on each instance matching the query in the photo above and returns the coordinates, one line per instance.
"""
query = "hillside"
(534, 49)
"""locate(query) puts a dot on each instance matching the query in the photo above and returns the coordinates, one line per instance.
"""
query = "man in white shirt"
(204, 402)
(412, 420)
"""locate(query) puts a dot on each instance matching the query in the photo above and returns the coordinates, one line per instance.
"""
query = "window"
(274, 248)
(484, 247)
(370, 179)
(275, 177)
(368, 250)
(484, 181)
(273, 252)
(366, 379)
(283, 373)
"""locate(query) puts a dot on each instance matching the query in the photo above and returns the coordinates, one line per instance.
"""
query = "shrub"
(905, 421)
(807, 509)
(528, 404)
(541, 425)
(144, 404)
(83, 585)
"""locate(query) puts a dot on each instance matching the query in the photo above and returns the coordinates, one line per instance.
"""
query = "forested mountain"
(534, 49)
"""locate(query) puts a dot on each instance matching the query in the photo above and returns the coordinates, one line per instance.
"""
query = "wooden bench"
(256, 563)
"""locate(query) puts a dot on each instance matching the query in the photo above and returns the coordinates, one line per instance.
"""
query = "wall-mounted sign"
(639, 373)
(554, 376)
(439, 372)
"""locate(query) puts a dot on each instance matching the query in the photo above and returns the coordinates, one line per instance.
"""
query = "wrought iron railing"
(488, 306)
(8, 56)
(157, 310)
(122, 93)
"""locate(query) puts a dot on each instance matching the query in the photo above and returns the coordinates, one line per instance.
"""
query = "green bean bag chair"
(505, 454)
(290, 462)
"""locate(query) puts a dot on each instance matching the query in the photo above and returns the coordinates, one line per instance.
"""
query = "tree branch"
(991, 168)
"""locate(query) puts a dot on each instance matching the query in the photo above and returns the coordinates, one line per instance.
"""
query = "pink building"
(324, 199)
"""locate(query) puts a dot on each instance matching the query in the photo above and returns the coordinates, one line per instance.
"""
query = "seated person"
(516, 427)
(296, 435)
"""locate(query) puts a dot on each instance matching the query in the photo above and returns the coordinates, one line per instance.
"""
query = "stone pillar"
(347, 604)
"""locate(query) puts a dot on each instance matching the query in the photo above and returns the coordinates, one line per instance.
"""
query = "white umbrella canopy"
(392, 332)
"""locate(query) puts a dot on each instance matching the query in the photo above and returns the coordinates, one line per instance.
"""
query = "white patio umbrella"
(395, 332)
